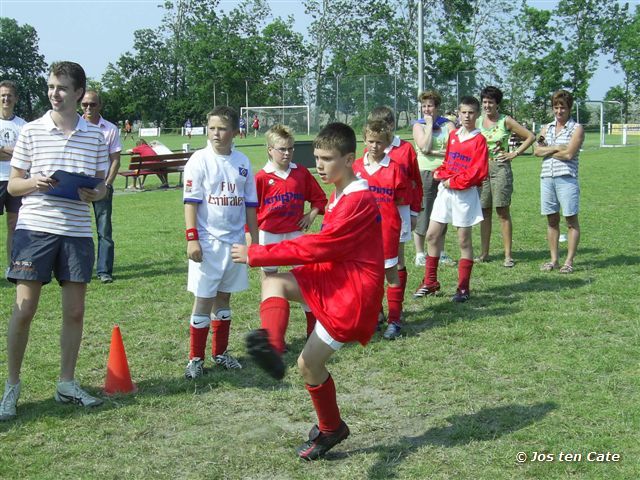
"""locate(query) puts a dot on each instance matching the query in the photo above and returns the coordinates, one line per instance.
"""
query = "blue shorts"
(36, 254)
(559, 192)
(8, 202)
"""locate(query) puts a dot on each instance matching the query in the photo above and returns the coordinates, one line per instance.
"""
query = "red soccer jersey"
(342, 272)
(281, 200)
(389, 187)
(404, 154)
(465, 163)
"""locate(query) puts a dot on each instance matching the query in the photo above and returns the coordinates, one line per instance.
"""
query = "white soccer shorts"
(461, 208)
(216, 272)
(267, 238)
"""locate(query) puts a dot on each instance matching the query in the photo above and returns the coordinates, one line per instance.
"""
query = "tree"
(21, 61)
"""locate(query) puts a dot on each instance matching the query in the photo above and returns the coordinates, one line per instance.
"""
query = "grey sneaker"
(9, 401)
(447, 260)
(195, 368)
(421, 260)
(227, 361)
(105, 278)
(392, 332)
(70, 392)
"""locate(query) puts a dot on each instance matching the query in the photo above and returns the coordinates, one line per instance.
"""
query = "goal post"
(297, 117)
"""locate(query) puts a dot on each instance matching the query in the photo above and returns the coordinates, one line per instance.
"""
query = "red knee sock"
(402, 273)
(311, 322)
(464, 273)
(198, 336)
(324, 401)
(220, 336)
(274, 318)
(431, 270)
(395, 296)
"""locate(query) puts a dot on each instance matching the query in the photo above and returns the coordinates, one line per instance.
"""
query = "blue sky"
(96, 32)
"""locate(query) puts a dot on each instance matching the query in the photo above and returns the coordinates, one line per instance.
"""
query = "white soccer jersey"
(222, 186)
(9, 131)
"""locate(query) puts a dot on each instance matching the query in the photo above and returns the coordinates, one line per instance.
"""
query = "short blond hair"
(278, 132)
(380, 128)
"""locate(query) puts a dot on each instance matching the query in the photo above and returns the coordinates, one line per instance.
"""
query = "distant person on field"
(255, 125)
(498, 186)
(559, 145)
(390, 187)
(10, 126)
(403, 154)
(187, 128)
(283, 188)
(458, 202)
(219, 199)
(92, 106)
(128, 130)
(143, 149)
(430, 135)
(243, 127)
(341, 279)
(54, 234)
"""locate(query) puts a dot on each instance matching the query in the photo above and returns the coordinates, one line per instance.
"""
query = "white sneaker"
(195, 368)
(227, 361)
(70, 392)
(421, 259)
(9, 401)
(447, 260)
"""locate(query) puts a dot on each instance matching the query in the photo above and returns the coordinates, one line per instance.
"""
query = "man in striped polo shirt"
(53, 234)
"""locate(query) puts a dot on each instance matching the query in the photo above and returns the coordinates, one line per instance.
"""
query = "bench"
(155, 165)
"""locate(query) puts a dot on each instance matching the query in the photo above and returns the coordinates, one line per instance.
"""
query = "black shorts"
(8, 202)
(36, 254)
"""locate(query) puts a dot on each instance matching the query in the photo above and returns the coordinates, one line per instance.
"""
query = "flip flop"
(508, 263)
(548, 266)
(566, 269)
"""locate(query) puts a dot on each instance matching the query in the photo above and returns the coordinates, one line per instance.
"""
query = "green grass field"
(535, 362)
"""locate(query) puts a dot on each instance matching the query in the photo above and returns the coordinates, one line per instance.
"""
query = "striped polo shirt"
(42, 149)
(552, 167)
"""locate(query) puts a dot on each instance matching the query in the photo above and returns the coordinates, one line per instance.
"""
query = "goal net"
(296, 117)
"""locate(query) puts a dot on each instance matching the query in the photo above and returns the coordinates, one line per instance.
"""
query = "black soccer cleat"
(320, 443)
(461, 296)
(259, 348)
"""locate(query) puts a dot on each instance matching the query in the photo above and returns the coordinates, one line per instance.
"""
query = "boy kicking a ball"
(219, 198)
(464, 168)
(341, 280)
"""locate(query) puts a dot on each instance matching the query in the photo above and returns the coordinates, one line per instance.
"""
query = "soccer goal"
(295, 116)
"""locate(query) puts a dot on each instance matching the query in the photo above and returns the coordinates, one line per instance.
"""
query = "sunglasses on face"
(89, 104)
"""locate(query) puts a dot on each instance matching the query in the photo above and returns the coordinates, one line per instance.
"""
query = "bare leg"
(506, 229)
(27, 298)
(73, 297)
(313, 359)
(553, 235)
(464, 239)
(485, 233)
(435, 238)
(573, 238)
(418, 241)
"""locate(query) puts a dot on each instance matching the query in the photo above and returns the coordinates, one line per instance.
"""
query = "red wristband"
(191, 234)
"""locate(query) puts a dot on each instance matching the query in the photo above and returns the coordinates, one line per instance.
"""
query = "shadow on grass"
(541, 255)
(496, 301)
(616, 261)
(485, 425)
(149, 269)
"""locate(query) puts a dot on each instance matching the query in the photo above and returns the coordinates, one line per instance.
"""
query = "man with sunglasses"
(92, 106)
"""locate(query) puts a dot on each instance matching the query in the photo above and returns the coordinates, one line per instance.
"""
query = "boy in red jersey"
(464, 168)
(404, 155)
(388, 184)
(283, 187)
(340, 279)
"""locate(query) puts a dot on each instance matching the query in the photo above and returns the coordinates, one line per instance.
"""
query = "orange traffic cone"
(118, 376)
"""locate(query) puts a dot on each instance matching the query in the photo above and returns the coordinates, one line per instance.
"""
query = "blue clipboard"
(69, 183)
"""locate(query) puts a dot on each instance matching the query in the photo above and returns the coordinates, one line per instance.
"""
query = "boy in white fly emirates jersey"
(219, 199)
